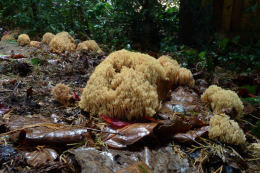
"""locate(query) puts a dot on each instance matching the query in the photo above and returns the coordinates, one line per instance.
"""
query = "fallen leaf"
(167, 128)
(115, 122)
(38, 130)
(139, 167)
(187, 98)
(17, 56)
(75, 96)
(129, 134)
(29, 92)
(3, 109)
(41, 157)
(191, 135)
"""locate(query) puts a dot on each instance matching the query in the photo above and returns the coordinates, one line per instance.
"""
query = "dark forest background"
(211, 32)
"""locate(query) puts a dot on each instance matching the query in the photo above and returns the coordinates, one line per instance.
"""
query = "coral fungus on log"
(23, 39)
(47, 37)
(221, 100)
(62, 42)
(226, 130)
(125, 85)
(89, 45)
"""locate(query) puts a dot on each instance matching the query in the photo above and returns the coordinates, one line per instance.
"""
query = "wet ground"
(38, 134)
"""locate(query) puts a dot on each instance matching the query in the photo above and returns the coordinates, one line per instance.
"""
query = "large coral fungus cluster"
(124, 85)
(176, 75)
(226, 130)
(62, 93)
(23, 39)
(62, 42)
(47, 37)
(222, 100)
(89, 45)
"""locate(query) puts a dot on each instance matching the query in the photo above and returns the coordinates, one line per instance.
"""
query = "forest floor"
(38, 134)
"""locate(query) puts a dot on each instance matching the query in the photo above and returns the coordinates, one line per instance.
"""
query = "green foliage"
(116, 23)
(253, 101)
(256, 130)
(35, 61)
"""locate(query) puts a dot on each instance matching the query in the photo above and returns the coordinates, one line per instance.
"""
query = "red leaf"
(17, 56)
(150, 118)
(76, 96)
(29, 92)
(252, 95)
(115, 122)
(3, 109)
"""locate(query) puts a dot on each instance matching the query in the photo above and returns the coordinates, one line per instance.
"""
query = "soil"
(25, 90)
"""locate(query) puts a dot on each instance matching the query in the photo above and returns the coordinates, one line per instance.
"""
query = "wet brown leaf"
(178, 124)
(186, 97)
(139, 167)
(129, 134)
(40, 157)
(38, 130)
(190, 136)
(170, 127)
(17, 122)
(51, 136)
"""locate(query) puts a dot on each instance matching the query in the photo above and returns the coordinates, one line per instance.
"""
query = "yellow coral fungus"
(176, 74)
(62, 42)
(129, 85)
(123, 86)
(35, 44)
(226, 130)
(47, 37)
(62, 93)
(89, 45)
(221, 100)
(185, 77)
(10, 35)
(23, 39)
(170, 66)
(206, 96)
(7, 37)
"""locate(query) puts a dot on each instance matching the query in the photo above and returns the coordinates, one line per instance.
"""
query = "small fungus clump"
(62, 93)
(62, 42)
(47, 37)
(221, 100)
(23, 39)
(89, 45)
(36, 44)
(226, 130)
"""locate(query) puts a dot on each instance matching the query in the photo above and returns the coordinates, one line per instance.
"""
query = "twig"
(3, 91)
(17, 86)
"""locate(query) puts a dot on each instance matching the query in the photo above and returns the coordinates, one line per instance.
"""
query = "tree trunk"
(196, 22)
